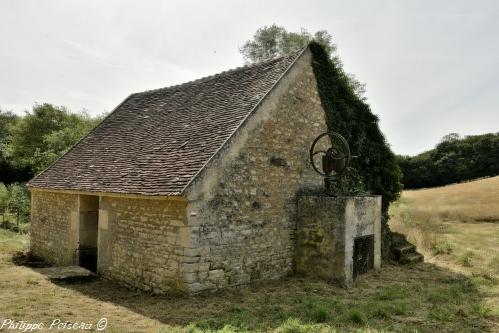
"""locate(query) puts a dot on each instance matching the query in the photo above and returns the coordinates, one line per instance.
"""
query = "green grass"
(447, 303)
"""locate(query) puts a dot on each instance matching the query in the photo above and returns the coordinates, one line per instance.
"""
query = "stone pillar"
(103, 239)
(326, 231)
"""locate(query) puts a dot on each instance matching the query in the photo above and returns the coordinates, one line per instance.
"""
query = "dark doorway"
(363, 254)
(86, 252)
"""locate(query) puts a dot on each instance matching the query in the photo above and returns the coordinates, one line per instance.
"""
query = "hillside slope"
(473, 201)
(455, 226)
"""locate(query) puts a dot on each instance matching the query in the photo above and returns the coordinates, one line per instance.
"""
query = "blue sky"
(431, 67)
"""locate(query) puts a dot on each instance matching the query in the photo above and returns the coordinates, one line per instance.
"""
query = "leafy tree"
(58, 142)
(8, 172)
(44, 134)
(28, 134)
(18, 202)
(274, 41)
(7, 119)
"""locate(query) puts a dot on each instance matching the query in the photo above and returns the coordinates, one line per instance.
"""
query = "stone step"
(398, 239)
(411, 258)
(404, 249)
(66, 273)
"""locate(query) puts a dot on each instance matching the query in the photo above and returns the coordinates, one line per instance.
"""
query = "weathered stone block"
(216, 275)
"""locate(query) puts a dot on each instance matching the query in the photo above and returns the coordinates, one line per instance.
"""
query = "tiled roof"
(156, 141)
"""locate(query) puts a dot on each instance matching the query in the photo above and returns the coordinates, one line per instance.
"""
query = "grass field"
(455, 291)
(456, 226)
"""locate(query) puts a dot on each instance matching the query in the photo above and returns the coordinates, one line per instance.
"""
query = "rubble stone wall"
(243, 208)
(54, 222)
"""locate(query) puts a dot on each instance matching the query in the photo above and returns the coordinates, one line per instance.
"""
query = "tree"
(4, 196)
(18, 202)
(451, 137)
(7, 119)
(8, 172)
(27, 134)
(44, 134)
(274, 41)
(58, 142)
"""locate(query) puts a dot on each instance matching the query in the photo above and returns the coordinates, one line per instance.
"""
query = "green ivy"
(376, 166)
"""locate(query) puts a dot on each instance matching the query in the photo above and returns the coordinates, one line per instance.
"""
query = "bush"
(466, 258)
(441, 247)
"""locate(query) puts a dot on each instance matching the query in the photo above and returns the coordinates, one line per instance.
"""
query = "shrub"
(441, 247)
(357, 317)
(465, 259)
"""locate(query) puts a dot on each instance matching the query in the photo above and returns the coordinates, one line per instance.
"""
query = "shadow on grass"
(422, 298)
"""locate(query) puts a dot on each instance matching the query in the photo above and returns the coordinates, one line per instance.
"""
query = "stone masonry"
(141, 242)
(233, 224)
(243, 221)
(326, 230)
(54, 217)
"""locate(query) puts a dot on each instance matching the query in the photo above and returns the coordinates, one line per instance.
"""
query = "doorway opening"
(86, 252)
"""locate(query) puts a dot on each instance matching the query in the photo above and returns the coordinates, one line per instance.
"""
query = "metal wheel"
(335, 157)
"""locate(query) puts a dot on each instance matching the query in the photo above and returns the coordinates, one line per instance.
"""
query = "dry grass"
(457, 292)
(457, 227)
(453, 222)
(476, 201)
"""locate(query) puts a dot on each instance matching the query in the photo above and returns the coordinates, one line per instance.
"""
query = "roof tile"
(156, 141)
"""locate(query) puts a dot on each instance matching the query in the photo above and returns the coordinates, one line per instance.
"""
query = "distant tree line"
(29, 144)
(453, 160)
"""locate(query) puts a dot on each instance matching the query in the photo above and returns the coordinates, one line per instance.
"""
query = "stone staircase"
(403, 251)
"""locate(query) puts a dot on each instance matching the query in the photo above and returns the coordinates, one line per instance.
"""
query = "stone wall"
(237, 222)
(141, 242)
(242, 209)
(326, 230)
(54, 223)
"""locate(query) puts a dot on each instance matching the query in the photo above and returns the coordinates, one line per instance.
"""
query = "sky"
(430, 67)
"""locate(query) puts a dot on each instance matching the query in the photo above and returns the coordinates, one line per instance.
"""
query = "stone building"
(190, 187)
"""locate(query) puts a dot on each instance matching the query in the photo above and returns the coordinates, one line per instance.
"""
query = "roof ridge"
(216, 75)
